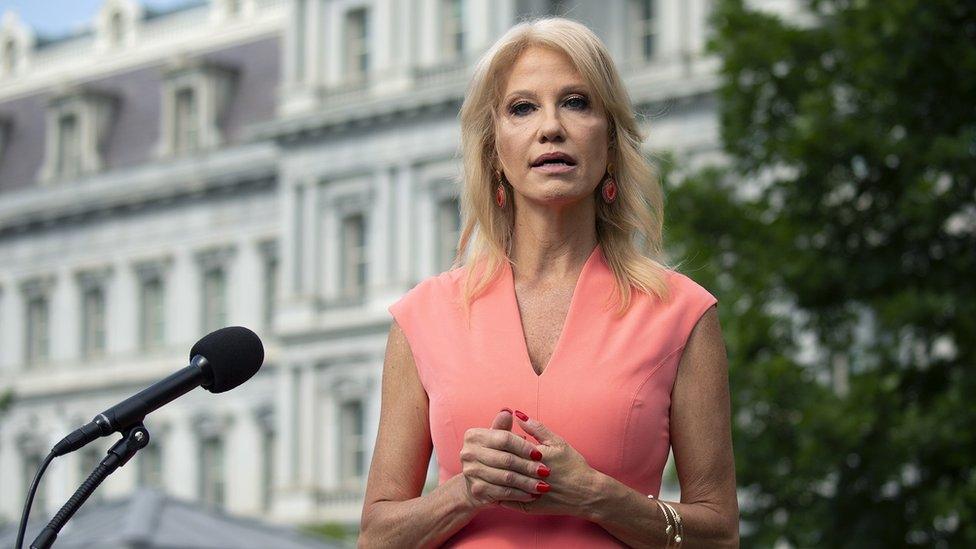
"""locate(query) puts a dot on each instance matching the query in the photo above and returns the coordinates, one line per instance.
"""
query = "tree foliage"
(841, 238)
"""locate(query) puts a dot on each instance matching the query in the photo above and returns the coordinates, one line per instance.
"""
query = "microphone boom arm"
(134, 439)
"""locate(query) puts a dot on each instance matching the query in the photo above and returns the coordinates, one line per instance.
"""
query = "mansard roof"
(150, 519)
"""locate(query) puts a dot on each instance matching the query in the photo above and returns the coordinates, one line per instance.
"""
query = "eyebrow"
(563, 91)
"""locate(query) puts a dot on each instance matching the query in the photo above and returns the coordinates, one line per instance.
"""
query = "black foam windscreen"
(234, 355)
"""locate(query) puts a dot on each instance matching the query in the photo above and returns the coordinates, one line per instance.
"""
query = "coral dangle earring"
(609, 190)
(500, 195)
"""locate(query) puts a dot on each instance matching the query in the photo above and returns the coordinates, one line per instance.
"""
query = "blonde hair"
(638, 209)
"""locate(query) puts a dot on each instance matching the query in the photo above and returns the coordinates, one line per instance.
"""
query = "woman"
(522, 339)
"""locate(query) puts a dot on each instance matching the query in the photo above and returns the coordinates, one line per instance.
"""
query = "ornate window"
(186, 121)
(37, 347)
(196, 98)
(269, 443)
(644, 21)
(213, 268)
(93, 322)
(269, 254)
(9, 59)
(212, 470)
(352, 448)
(453, 26)
(16, 44)
(211, 478)
(93, 307)
(78, 124)
(353, 261)
(116, 29)
(69, 146)
(214, 299)
(117, 25)
(357, 44)
(152, 304)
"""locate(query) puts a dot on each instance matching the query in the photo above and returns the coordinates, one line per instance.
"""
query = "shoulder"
(688, 305)
(430, 292)
(686, 292)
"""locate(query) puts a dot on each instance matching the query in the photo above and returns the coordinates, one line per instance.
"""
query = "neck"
(551, 245)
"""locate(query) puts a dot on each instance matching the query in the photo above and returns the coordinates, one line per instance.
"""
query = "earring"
(609, 189)
(499, 191)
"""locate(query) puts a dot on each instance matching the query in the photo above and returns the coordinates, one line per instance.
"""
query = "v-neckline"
(513, 302)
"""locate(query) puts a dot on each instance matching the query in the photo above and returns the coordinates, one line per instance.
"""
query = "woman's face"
(547, 107)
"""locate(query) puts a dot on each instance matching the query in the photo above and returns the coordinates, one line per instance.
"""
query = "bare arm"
(701, 439)
(394, 513)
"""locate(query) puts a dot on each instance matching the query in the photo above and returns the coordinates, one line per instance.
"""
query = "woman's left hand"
(572, 481)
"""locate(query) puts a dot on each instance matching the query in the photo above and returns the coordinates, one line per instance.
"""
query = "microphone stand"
(133, 439)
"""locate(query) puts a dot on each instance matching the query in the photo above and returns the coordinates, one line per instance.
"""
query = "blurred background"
(171, 167)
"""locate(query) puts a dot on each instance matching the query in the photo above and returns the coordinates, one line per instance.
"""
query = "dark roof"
(149, 519)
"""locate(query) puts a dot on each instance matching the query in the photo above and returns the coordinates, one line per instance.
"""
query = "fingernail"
(509, 410)
(542, 486)
(536, 454)
(543, 471)
(521, 415)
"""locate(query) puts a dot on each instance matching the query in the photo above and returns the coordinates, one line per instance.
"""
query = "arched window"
(116, 31)
(9, 56)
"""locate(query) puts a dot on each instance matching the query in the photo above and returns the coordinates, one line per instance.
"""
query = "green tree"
(847, 216)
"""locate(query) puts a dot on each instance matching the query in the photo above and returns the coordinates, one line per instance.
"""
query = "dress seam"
(633, 398)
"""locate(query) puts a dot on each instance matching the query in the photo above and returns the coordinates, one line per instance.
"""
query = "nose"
(551, 127)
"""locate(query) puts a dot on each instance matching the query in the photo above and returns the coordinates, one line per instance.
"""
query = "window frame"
(357, 53)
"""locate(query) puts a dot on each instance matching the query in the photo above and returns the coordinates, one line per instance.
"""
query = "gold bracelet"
(677, 520)
(669, 529)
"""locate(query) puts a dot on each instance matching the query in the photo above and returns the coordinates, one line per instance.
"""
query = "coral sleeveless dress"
(606, 388)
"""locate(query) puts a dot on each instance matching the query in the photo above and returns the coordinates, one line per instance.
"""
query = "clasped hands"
(505, 469)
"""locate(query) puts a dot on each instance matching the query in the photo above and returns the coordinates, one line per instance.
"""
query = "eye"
(517, 108)
(578, 102)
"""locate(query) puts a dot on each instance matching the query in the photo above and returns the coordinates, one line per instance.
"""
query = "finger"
(519, 506)
(503, 420)
(510, 442)
(510, 461)
(492, 493)
(537, 429)
(511, 479)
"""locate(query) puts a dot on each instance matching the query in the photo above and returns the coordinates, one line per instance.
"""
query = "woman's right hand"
(498, 465)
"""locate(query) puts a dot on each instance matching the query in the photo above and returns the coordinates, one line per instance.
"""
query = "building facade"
(286, 165)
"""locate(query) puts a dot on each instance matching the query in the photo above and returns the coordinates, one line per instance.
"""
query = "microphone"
(220, 361)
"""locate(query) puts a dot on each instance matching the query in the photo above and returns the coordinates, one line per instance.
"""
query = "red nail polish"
(509, 410)
(521, 415)
(543, 471)
(542, 487)
(536, 455)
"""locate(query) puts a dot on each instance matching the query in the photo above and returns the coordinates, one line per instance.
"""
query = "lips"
(554, 158)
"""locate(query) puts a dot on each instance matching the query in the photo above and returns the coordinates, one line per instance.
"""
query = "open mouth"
(558, 159)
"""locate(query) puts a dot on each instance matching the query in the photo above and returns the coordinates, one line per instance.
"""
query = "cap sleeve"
(409, 312)
(693, 300)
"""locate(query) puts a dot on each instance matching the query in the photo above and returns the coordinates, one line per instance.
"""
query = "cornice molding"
(349, 117)
(249, 167)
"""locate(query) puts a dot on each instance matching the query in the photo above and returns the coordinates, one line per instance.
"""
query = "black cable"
(30, 499)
